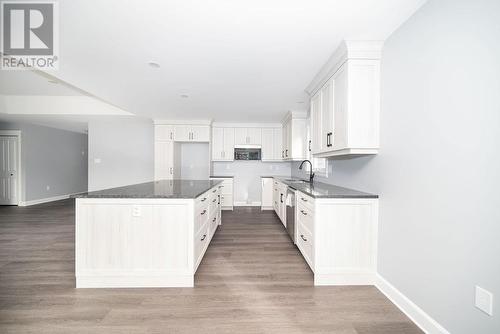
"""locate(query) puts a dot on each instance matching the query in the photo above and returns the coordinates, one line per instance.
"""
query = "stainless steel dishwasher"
(290, 213)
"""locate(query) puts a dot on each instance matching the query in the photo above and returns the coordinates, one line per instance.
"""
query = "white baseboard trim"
(247, 204)
(412, 311)
(44, 200)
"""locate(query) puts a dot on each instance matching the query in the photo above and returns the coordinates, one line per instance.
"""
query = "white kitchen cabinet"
(164, 133)
(226, 192)
(222, 144)
(164, 162)
(277, 143)
(338, 238)
(247, 136)
(192, 133)
(294, 146)
(279, 198)
(267, 144)
(345, 102)
(267, 193)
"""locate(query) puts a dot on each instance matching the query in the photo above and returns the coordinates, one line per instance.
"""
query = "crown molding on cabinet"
(346, 50)
(295, 115)
(246, 125)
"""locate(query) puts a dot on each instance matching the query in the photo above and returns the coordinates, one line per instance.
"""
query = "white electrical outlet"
(484, 300)
(136, 211)
(97, 160)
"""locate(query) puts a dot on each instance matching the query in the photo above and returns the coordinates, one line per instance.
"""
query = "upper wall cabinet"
(294, 136)
(222, 144)
(271, 144)
(192, 133)
(164, 132)
(247, 136)
(345, 102)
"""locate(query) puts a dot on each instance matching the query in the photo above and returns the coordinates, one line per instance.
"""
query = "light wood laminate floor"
(252, 280)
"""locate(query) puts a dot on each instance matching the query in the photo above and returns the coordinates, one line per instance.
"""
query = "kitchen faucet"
(311, 174)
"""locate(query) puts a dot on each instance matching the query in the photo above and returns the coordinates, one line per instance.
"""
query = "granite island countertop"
(322, 190)
(186, 189)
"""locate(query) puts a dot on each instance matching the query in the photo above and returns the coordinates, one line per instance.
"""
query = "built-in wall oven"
(247, 152)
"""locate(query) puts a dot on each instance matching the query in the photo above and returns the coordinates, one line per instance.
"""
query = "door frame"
(17, 133)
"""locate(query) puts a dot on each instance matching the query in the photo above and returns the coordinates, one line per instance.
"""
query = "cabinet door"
(200, 133)
(240, 136)
(288, 149)
(254, 136)
(164, 133)
(327, 119)
(277, 139)
(228, 153)
(315, 127)
(284, 144)
(267, 193)
(217, 144)
(182, 133)
(339, 140)
(267, 144)
(164, 164)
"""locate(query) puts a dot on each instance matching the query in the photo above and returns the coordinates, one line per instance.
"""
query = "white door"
(254, 136)
(315, 128)
(182, 133)
(217, 144)
(164, 160)
(327, 115)
(228, 144)
(200, 133)
(277, 134)
(340, 106)
(164, 132)
(267, 144)
(9, 169)
(240, 136)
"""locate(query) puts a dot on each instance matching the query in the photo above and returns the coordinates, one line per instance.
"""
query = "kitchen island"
(145, 235)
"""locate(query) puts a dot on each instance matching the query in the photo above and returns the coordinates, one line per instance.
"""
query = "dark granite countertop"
(186, 189)
(222, 176)
(323, 190)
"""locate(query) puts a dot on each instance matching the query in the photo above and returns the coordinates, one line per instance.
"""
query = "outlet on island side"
(484, 300)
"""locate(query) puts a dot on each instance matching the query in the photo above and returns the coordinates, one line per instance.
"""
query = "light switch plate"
(484, 300)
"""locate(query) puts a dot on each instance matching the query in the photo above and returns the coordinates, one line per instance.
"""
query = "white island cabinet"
(147, 235)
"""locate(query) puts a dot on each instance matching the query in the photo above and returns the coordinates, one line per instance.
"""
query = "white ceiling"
(237, 60)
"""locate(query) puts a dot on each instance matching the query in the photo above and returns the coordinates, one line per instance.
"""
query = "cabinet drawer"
(213, 205)
(305, 243)
(213, 221)
(200, 242)
(226, 188)
(305, 200)
(202, 200)
(200, 218)
(306, 217)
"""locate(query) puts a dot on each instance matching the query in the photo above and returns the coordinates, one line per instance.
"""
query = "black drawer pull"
(302, 198)
(203, 238)
(215, 218)
(213, 201)
(203, 212)
(203, 199)
(303, 212)
(302, 236)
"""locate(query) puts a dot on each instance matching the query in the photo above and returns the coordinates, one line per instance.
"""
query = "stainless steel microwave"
(247, 152)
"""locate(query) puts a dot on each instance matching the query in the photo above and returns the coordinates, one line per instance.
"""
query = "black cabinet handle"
(203, 238)
(215, 218)
(203, 212)
(286, 153)
(303, 212)
(203, 199)
(302, 198)
(309, 146)
(213, 201)
(329, 139)
(281, 198)
(302, 236)
(219, 199)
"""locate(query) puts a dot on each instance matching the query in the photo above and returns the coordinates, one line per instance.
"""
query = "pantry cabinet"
(222, 144)
(345, 99)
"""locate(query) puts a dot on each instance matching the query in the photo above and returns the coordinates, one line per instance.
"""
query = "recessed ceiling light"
(184, 96)
(154, 64)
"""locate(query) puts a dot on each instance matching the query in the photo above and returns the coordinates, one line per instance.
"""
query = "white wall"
(438, 168)
(50, 157)
(247, 186)
(125, 147)
(194, 161)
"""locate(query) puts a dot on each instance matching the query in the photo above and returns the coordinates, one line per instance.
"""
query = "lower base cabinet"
(338, 238)
(226, 189)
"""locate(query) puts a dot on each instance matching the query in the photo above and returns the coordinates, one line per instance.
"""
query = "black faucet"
(311, 174)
